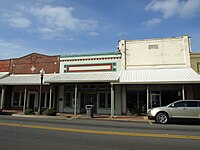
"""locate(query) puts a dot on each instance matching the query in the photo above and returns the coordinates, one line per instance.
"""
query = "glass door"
(31, 101)
(155, 100)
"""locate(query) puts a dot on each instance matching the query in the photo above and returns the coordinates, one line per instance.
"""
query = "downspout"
(125, 62)
(190, 50)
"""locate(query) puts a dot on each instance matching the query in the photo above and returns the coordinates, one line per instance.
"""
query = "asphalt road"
(71, 134)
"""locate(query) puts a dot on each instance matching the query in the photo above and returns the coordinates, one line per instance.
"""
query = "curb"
(80, 117)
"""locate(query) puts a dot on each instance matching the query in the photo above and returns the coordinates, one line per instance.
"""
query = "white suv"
(188, 109)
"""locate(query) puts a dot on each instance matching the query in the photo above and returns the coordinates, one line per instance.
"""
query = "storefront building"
(20, 89)
(87, 80)
(142, 74)
(156, 72)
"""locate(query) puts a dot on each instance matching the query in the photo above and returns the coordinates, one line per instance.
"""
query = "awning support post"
(25, 93)
(183, 92)
(50, 97)
(112, 102)
(2, 97)
(75, 100)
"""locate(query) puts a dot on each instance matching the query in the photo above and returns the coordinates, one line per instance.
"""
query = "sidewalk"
(107, 117)
(17, 113)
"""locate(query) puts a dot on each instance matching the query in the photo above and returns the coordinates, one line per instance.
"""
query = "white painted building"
(155, 72)
(155, 53)
(87, 79)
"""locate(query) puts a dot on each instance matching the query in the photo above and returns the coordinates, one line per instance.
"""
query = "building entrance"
(31, 101)
(91, 100)
(136, 102)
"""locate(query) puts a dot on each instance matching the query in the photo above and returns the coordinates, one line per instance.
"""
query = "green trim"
(92, 54)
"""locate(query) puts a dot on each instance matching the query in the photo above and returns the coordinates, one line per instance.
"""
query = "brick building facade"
(32, 63)
(23, 89)
(5, 65)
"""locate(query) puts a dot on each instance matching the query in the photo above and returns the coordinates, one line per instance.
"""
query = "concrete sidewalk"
(17, 113)
(107, 117)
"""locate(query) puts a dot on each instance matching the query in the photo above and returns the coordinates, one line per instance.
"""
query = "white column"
(25, 93)
(75, 101)
(147, 97)
(183, 92)
(118, 100)
(2, 97)
(112, 102)
(61, 100)
(50, 97)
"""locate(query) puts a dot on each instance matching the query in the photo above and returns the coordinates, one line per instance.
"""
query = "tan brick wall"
(195, 61)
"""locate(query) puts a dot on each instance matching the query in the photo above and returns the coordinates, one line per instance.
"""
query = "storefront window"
(109, 100)
(68, 99)
(22, 98)
(170, 96)
(132, 100)
(102, 100)
(142, 101)
(82, 100)
(48, 98)
(16, 98)
(43, 100)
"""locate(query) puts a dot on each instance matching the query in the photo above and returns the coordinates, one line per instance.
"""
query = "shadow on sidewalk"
(9, 112)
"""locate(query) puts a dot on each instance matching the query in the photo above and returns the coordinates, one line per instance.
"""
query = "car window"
(192, 104)
(180, 104)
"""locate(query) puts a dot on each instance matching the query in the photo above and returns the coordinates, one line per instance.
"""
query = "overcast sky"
(91, 26)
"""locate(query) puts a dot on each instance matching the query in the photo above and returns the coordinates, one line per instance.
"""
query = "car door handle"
(184, 109)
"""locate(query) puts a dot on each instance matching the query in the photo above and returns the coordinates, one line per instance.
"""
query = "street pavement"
(85, 134)
(17, 113)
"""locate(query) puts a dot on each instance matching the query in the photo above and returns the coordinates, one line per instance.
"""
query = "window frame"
(70, 101)
(106, 100)
(21, 95)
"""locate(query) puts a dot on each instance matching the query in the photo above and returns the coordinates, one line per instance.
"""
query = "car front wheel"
(161, 118)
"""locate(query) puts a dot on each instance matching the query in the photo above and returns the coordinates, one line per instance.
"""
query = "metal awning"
(159, 76)
(25, 79)
(4, 74)
(133, 76)
(85, 77)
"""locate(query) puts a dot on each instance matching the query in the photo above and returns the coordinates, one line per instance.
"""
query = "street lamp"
(42, 72)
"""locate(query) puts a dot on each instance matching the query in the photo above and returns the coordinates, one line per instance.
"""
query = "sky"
(66, 27)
